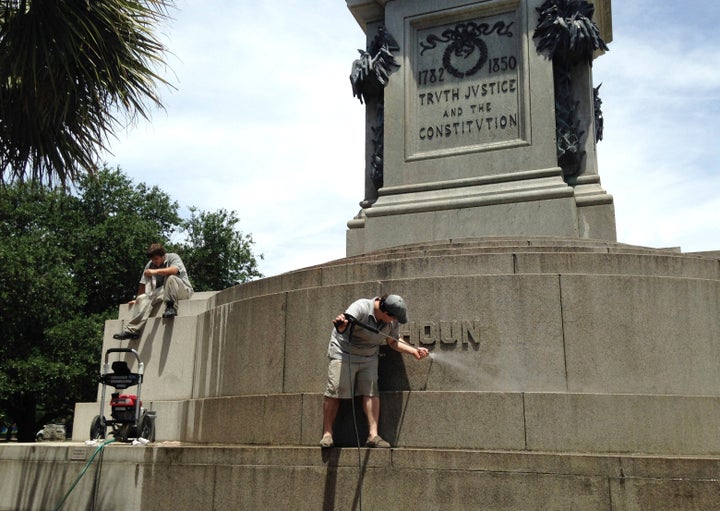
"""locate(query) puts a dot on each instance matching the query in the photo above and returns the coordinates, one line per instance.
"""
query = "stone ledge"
(490, 255)
(560, 423)
(264, 478)
(196, 304)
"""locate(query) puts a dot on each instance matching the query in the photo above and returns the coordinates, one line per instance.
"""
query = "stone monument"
(463, 138)
(568, 371)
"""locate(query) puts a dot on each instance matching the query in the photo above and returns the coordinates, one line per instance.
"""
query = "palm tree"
(71, 71)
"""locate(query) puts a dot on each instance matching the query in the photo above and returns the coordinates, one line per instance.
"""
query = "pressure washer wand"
(353, 320)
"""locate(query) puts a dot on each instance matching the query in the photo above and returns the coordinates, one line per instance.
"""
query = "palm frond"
(70, 73)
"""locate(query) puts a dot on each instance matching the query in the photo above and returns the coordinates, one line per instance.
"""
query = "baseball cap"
(395, 306)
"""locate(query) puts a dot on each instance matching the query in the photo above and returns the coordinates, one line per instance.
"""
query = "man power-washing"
(164, 279)
(353, 359)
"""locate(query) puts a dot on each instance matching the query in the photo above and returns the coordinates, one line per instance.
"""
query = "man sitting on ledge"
(164, 279)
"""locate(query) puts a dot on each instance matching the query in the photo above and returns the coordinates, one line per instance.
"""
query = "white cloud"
(661, 100)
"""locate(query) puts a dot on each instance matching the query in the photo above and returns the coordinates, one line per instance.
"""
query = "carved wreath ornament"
(466, 46)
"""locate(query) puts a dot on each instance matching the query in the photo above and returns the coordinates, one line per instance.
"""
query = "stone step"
(480, 257)
(505, 244)
(513, 421)
(224, 478)
(511, 332)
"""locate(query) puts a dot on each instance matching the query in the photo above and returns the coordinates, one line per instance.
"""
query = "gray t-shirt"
(357, 341)
(171, 259)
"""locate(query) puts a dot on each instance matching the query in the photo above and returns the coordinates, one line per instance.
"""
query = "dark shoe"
(125, 335)
(170, 312)
(377, 441)
(327, 442)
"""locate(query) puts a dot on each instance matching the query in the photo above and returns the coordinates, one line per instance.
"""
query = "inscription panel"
(465, 87)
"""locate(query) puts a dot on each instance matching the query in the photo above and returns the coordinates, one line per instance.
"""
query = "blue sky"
(661, 101)
(263, 122)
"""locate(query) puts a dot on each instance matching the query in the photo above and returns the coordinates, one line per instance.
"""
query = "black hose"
(354, 415)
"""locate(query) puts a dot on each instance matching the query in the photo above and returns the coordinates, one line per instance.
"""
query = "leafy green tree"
(71, 72)
(68, 260)
(73, 350)
(119, 221)
(216, 253)
(37, 291)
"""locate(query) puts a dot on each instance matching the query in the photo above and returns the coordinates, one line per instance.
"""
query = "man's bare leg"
(330, 410)
(371, 405)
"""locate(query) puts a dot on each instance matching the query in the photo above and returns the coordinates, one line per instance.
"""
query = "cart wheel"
(97, 428)
(146, 427)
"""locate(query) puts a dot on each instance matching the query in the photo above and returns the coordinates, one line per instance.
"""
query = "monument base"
(526, 204)
(565, 374)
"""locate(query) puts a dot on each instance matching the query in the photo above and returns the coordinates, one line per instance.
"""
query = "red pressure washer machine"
(129, 418)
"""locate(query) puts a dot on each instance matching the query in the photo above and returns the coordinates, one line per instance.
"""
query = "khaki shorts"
(364, 376)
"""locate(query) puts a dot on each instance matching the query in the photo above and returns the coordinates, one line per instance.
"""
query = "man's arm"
(141, 290)
(170, 270)
(418, 353)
